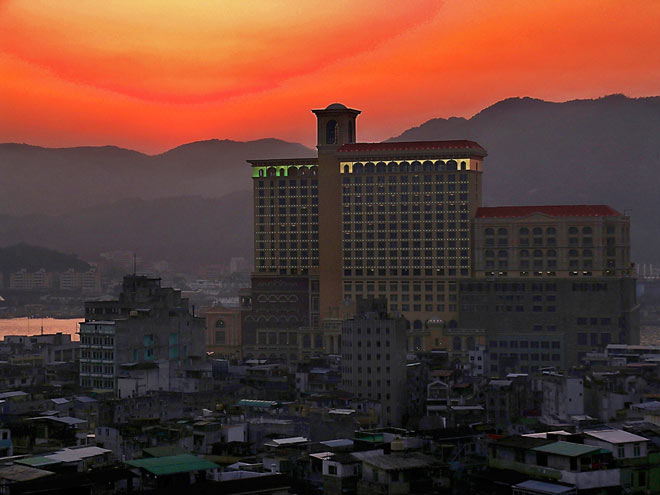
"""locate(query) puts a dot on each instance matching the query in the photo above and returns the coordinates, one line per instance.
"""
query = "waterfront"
(32, 326)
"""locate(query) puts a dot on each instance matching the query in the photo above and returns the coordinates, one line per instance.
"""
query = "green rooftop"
(568, 449)
(37, 461)
(174, 464)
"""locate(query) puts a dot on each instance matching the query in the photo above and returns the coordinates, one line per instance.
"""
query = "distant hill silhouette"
(584, 151)
(195, 201)
(61, 180)
(187, 231)
(32, 258)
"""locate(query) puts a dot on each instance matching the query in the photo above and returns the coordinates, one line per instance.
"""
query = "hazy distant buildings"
(147, 324)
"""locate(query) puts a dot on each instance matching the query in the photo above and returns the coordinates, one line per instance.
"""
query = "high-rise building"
(403, 221)
(386, 220)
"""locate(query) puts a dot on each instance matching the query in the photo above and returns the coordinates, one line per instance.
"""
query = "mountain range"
(193, 204)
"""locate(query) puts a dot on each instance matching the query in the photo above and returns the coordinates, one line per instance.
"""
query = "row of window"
(405, 198)
(401, 286)
(94, 354)
(524, 344)
(527, 357)
(523, 231)
(97, 383)
(413, 179)
(286, 182)
(406, 272)
(96, 340)
(405, 166)
(96, 368)
(405, 188)
(290, 338)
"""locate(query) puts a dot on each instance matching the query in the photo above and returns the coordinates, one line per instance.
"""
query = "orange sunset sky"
(150, 75)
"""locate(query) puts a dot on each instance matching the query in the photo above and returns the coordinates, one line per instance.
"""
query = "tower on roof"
(335, 127)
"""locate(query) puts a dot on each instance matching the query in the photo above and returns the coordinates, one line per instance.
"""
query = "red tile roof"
(461, 144)
(551, 210)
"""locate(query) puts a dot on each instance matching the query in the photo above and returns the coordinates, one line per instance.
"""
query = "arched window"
(292, 171)
(490, 254)
(537, 231)
(501, 231)
(524, 253)
(456, 343)
(552, 253)
(392, 167)
(331, 132)
(524, 231)
(261, 173)
(502, 253)
(416, 166)
(428, 166)
(369, 168)
(381, 167)
(271, 172)
(407, 324)
(357, 168)
(220, 323)
(452, 165)
(347, 169)
(489, 231)
(586, 230)
(463, 166)
(404, 166)
(538, 253)
(439, 166)
(550, 231)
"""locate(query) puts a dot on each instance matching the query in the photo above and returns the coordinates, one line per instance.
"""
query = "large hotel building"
(403, 220)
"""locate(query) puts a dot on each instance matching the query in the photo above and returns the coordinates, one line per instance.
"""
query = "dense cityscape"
(394, 336)
(330, 248)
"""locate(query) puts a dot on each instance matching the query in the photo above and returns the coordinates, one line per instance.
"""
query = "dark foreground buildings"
(404, 221)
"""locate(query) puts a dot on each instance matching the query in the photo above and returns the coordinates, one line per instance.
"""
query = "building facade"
(386, 220)
(551, 283)
(147, 324)
(374, 358)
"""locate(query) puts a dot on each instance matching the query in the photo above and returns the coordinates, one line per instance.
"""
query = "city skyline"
(159, 75)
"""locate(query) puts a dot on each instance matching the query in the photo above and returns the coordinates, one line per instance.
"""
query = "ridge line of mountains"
(192, 204)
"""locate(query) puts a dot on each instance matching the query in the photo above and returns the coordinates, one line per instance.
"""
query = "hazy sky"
(152, 74)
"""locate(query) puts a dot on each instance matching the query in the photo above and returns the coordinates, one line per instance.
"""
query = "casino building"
(403, 221)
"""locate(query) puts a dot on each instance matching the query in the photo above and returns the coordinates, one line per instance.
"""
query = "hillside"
(186, 231)
(32, 258)
(62, 180)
